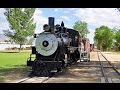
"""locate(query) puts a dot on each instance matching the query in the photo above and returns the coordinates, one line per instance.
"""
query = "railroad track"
(77, 73)
(32, 79)
(36, 80)
(105, 71)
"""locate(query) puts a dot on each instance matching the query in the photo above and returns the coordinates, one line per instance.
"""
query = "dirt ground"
(111, 56)
(72, 74)
(86, 74)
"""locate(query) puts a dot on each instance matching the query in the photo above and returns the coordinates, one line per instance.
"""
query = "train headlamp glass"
(46, 27)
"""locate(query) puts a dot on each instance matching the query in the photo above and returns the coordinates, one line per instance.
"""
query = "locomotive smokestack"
(51, 23)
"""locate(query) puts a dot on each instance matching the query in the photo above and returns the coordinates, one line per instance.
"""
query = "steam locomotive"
(56, 47)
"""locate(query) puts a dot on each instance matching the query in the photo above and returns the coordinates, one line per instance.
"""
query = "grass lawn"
(13, 63)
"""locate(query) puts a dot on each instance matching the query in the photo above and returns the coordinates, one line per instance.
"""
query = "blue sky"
(95, 17)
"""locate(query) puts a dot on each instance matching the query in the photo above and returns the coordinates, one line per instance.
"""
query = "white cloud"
(65, 18)
(96, 17)
(38, 11)
(3, 22)
(90, 36)
(58, 21)
(38, 16)
(40, 20)
(71, 9)
(99, 16)
(55, 10)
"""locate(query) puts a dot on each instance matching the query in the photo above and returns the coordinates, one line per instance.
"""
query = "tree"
(82, 28)
(98, 38)
(117, 38)
(103, 37)
(21, 24)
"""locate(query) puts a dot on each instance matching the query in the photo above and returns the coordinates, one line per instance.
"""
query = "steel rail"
(102, 69)
(111, 64)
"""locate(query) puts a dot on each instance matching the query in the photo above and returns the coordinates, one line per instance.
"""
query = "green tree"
(103, 37)
(98, 38)
(82, 28)
(117, 39)
(21, 24)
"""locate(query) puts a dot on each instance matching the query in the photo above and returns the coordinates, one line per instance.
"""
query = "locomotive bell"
(62, 24)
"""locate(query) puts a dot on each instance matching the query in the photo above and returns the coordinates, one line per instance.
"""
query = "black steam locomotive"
(55, 48)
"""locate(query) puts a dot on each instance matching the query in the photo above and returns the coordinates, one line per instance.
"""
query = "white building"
(4, 45)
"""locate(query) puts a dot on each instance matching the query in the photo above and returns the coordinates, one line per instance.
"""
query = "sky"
(94, 17)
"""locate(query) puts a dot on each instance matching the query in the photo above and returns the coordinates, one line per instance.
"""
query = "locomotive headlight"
(46, 44)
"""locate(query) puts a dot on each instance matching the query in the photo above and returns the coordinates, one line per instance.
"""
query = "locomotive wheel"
(39, 69)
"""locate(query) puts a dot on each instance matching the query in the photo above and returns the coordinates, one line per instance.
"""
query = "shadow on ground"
(13, 73)
(18, 72)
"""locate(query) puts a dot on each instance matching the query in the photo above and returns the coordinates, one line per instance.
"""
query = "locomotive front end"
(48, 51)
